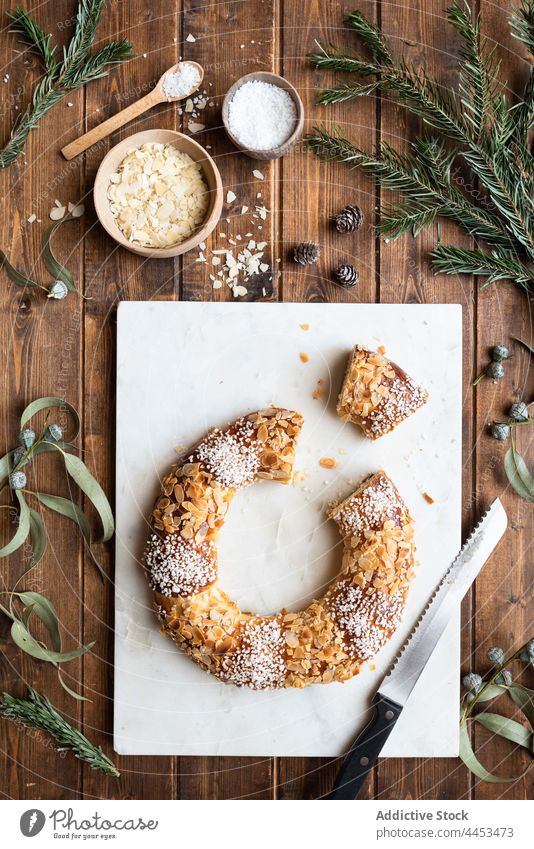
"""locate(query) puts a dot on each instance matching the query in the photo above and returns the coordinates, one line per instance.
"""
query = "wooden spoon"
(157, 95)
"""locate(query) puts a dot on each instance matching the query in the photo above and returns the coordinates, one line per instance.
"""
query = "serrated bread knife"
(407, 667)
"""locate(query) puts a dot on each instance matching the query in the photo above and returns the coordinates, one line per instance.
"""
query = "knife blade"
(404, 673)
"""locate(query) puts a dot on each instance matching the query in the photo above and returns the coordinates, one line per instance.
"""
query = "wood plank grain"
(41, 341)
(313, 191)
(113, 275)
(231, 39)
(503, 615)
(423, 37)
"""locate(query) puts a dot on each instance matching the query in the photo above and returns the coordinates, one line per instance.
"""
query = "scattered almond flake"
(70, 103)
(264, 266)
(251, 245)
(318, 393)
(304, 357)
(328, 462)
(57, 213)
(261, 245)
(195, 127)
(304, 326)
(217, 284)
(188, 105)
(215, 260)
(244, 209)
(202, 246)
(381, 349)
(240, 291)
(222, 235)
(200, 257)
(220, 251)
(238, 238)
(258, 174)
(32, 218)
(262, 212)
(58, 203)
(258, 195)
(190, 38)
(428, 498)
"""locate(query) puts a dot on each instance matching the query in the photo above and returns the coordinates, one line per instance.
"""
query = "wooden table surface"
(68, 349)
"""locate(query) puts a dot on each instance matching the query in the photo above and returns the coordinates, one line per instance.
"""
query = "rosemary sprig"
(488, 133)
(38, 712)
(77, 68)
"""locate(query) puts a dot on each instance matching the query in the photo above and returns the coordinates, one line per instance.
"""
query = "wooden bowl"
(113, 159)
(274, 79)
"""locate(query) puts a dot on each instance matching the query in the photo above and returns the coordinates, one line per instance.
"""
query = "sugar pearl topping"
(368, 618)
(232, 458)
(370, 507)
(258, 659)
(178, 568)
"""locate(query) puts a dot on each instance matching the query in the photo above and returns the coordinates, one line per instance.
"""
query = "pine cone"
(350, 218)
(346, 275)
(307, 253)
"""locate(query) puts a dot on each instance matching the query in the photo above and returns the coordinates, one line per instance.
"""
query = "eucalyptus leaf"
(48, 447)
(525, 344)
(57, 271)
(5, 466)
(72, 693)
(492, 691)
(25, 641)
(38, 537)
(23, 528)
(473, 764)
(44, 609)
(92, 489)
(50, 402)
(71, 511)
(507, 728)
(16, 276)
(524, 700)
(518, 474)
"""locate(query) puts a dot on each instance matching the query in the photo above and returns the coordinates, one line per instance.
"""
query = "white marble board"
(184, 367)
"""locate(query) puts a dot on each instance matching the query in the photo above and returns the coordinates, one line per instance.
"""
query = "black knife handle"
(363, 753)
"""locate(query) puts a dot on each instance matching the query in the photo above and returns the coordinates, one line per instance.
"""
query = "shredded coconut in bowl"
(261, 116)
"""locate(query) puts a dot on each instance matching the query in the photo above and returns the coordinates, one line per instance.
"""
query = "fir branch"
(34, 37)
(77, 68)
(371, 35)
(423, 179)
(447, 259)
(479, 84)
(489, 135)
(38, 712)
(522, 24)
(87, 20)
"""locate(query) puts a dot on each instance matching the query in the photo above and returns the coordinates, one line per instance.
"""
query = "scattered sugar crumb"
(304, 326)
(428, 498)
(304, 357)
(328, 463)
